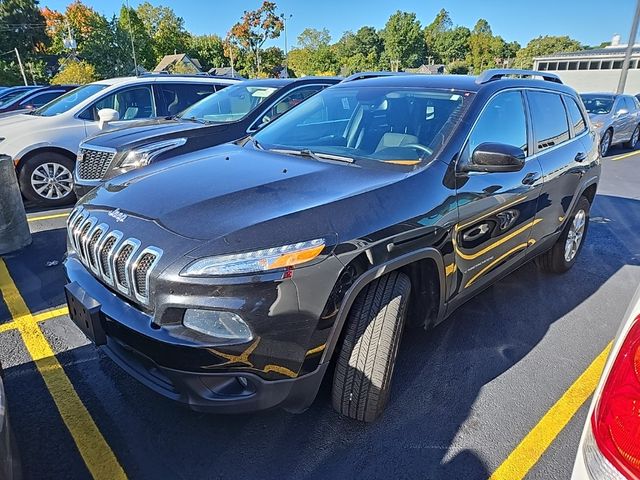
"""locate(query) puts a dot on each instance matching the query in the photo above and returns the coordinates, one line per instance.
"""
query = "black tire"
(605, 143)
(554, 260)
(635, 135)
(364, 368)
(38, 160)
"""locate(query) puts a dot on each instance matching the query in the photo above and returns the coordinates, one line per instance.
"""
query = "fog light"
(219, 324)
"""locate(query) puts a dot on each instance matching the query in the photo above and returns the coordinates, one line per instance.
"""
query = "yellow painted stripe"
(48, 217)
(531, 448)
(58, 312)
(93, 448)
(5, 327)
(504, 239)
(626, 155)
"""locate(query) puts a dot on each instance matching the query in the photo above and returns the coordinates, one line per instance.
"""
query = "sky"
(588, 21)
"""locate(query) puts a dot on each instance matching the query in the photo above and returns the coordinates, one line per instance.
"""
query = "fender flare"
(427, 253)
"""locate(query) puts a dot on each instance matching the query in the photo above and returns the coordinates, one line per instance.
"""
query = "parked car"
(44, 143)
(615, 117)
(225, 116)
(609, 447)
(230, 278)
(34, 98)
(11, 93)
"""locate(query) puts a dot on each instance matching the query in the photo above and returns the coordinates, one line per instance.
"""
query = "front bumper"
(274, 369)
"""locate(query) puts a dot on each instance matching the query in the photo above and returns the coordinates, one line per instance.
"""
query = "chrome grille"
(110, 258)
(94, 164)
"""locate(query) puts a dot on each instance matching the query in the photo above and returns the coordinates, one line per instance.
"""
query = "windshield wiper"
(315, 155)
(193, 119)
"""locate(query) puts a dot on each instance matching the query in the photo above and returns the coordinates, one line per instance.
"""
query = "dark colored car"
(34, 98)
(230, 278)
(9, 94)
(222, 117)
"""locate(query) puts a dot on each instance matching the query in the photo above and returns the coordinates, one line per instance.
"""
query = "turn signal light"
(615, 422)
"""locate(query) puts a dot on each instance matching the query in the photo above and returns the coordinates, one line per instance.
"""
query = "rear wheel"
(633, 141)
(605, 143)
(362, 377)
(564, 252)
(46, 179)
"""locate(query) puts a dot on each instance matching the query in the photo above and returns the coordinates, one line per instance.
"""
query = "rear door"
(496, 210)
(559, 147)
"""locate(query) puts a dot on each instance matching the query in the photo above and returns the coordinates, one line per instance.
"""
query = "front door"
(496, 210)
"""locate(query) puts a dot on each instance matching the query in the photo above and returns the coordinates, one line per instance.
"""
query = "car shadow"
(438, 377)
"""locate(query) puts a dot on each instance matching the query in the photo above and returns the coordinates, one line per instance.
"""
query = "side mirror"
(107, 115)
(495, 157)
(622, 111)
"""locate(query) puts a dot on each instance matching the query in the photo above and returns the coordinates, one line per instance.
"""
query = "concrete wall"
(599, 80)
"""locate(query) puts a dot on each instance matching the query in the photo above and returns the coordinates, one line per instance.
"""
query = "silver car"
(615, 117)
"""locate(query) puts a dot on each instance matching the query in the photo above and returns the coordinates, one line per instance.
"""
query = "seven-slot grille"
(112, 258)
(94, 164)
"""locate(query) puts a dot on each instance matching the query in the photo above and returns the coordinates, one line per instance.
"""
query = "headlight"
(139, 157)
(257, 261)
(598, 124)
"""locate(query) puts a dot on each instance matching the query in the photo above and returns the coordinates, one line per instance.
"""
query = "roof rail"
(498, 73)
(188, 75)
(363, 75)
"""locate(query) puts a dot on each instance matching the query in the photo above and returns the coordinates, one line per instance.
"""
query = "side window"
(503, 120)
(131, 103)
(549, 119)
(636, 103)
(179, 96)
(629, 105)
(618, 105)
(290, 100)
(575, 114)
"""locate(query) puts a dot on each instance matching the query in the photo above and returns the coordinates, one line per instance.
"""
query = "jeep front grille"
(94, 164)
(111, 258)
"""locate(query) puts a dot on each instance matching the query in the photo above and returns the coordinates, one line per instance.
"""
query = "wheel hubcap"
(634, 138)
(604, 146)
(52, 181)
(576, 233)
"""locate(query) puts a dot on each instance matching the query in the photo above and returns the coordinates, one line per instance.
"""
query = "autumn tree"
(255, 28)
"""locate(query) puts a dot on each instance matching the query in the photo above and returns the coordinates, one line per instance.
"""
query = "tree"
(360, 51)
(130, 22)
(208, 49)
(165, 29)
(403, 40)
(22, 26)
(482, 47)
(255, 28)
(458, 67)
(434, 32)
(546, 45)
(272, 61)
(73, 72)
(316, 56)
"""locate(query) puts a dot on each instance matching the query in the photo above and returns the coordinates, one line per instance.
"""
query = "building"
(431, 69)
(179, 63)
(595, 70)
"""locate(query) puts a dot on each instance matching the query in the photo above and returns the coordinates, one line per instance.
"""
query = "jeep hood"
(214, 192)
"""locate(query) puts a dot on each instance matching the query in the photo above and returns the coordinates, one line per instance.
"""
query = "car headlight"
(256, 261)
(141, 156)
(598, 124)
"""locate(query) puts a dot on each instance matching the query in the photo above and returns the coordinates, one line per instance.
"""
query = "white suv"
(44, 143)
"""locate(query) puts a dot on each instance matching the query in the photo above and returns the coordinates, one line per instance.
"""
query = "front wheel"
(564, 252)
(364, 368)
(605, 143)
(46, 179)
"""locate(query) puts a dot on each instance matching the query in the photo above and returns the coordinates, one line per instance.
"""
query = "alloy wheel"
(605, 143)
(635, 137)
(576, 233)
(52, 181)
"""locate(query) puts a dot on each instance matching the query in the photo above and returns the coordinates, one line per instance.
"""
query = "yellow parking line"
(96, 453)
(5, 327)
(626, 155)
(536, 442)
(58, 312)
(48, 217)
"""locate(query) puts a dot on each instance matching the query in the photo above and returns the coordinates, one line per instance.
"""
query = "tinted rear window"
(550, 125)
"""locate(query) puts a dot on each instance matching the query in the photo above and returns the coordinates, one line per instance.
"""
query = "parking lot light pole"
(14, 229)
(630, 44)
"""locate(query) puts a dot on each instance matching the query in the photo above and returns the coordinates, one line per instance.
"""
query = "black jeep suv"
(229, 279)
(225, 116)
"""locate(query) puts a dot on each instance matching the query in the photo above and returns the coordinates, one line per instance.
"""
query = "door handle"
(580, 157)
(530, 178)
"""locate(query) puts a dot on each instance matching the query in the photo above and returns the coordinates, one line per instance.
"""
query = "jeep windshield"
(597, 104)
(66, 102)
(388, 124)
(228, 105)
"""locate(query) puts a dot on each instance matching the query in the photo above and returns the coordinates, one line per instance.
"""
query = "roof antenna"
(133, 48)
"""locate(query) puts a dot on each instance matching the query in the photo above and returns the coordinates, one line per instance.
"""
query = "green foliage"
(22, 27)
(316, 57)
(165, 29)
(546, 45)
(458, 67)
(209, 50)
(10, 73)
(403, 41)
(272, 61)
(73, 72)
(360, 51)
(130, 24)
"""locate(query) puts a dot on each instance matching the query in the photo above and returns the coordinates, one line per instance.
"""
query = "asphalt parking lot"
(498, 390)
